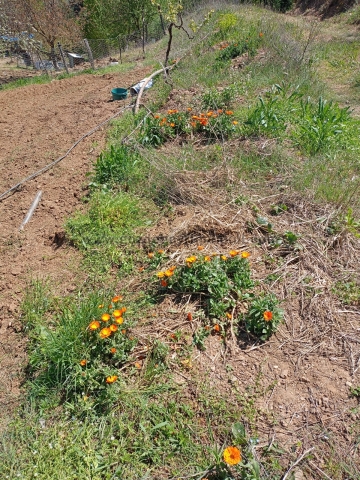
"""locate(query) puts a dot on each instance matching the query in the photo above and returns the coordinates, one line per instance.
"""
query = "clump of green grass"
(107, 232)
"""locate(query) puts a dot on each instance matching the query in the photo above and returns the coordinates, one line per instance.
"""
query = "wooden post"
(91, 58)
(63, 57)
(120, 45)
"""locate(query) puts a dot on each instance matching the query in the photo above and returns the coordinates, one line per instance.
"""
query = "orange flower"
(233, 253)
(105, 332)
(223, 257)
(189, 109)
(161, 251)
(172, 268)
(113, 327)
(189, 316)
(193, 124)
(113, 350)
(261, 34)
(94, 325)
(200, 247)
(204, 122)
(123, 309)
(228, 315)
(172, 124)
(157, 116)
(207, 258)
(160, 274)
(235, 122)
(245, 254)
(268, 316)
(141, 269)
(123, 331)
(117, 298)
(105, 317)
(151, 255)
(117, 313)
(169, 273)
(220, 110)
(229, 112)
(217, 328)
(83, 363)
(209, 114)
(191, 259)
(137, 365)
(207, 327)
(232, 455)
(111, 379)
(119, 320)
(163, 283)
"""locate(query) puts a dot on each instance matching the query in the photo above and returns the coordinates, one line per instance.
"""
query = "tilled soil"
(38, 124)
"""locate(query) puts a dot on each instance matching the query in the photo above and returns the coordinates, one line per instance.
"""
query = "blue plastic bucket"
(119, 93)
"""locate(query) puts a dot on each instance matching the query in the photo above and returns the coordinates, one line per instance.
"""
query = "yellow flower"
(101, 306)
(117, 313)
(245, 254)
(113, 327)
(83, 363)
(235, 122)
(105, 317)
(94, 325)
(232, 455)
(105, 332)
(119, 320)
(191, 259)
(160, 274)
(169, 273)
(111, 379)
(117, 298)
(207, 258)
(233, 253)
(228, 315)
(223, 257)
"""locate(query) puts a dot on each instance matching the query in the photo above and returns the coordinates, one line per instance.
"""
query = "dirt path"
(39, 123)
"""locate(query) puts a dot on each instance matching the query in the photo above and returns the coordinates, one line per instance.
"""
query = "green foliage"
(107, 230)
(119, 166)
(263, 316)
(320, 125)
(71, 357)
(226, 24)
(348, 292)
(215, 98)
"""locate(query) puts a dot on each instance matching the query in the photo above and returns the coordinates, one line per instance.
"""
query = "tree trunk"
(53, 56)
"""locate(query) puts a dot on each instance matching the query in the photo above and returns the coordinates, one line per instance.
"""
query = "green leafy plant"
(263, 316)
(215, 98)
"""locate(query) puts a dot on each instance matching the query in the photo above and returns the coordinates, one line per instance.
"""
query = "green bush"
(263, 316)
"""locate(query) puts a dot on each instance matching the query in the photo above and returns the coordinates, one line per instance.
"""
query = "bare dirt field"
(38, 124)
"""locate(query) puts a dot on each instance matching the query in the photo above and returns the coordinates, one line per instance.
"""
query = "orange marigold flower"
(169, 273)
(228, 315)
(235, 122)
(105, 317)
(220, 110)
(137, 365)
(141, 269)
(204, 122)
(117, 313)
(200, 247)
(163, 283)
(207, 258)
(245, 254)
(151, 254)
(105, 332)
(160, 274)
(189, 316)
(193, 124)
(217, 328)
(233, 253)
(223, 257)
(191, 259)
(113, 328)
(157, 116)
(83, 362)
(189, 109)
(172, 124)
(268, 316)
(210, 114)
(94, 325)
(229, 112)
(111, 379)
(172, 268)
(261, 34)
(123, 331)
(119, 320)
(113, 350)
(161, 251)
(232, 455)
(117, 298)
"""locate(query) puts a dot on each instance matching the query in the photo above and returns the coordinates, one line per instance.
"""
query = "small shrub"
(263, 316)
(215, 98)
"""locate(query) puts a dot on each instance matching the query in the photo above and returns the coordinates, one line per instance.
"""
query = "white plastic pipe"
(31, 210)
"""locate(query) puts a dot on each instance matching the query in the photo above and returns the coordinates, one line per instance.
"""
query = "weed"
(263, 316)
(348, 292)
(214, 98)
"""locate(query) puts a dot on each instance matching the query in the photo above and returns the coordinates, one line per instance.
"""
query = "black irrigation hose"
(52, 164)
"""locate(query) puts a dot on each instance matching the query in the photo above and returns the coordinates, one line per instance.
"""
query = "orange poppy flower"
(113, 328)
(189, 316)
(105, 332)
(157, 116)
(83, 363)
(268, 316)
(232, 455)
(193, 124)
(245, 254)
(113, 350)
(172, 268)
(117, 298)
(119, 320)
(111, 379)
(105, 317)
(94, 325)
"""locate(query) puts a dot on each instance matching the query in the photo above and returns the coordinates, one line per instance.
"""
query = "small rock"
(284, 373)
(298, 475)
(15, 271)
(348, 384)
(304, 379)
